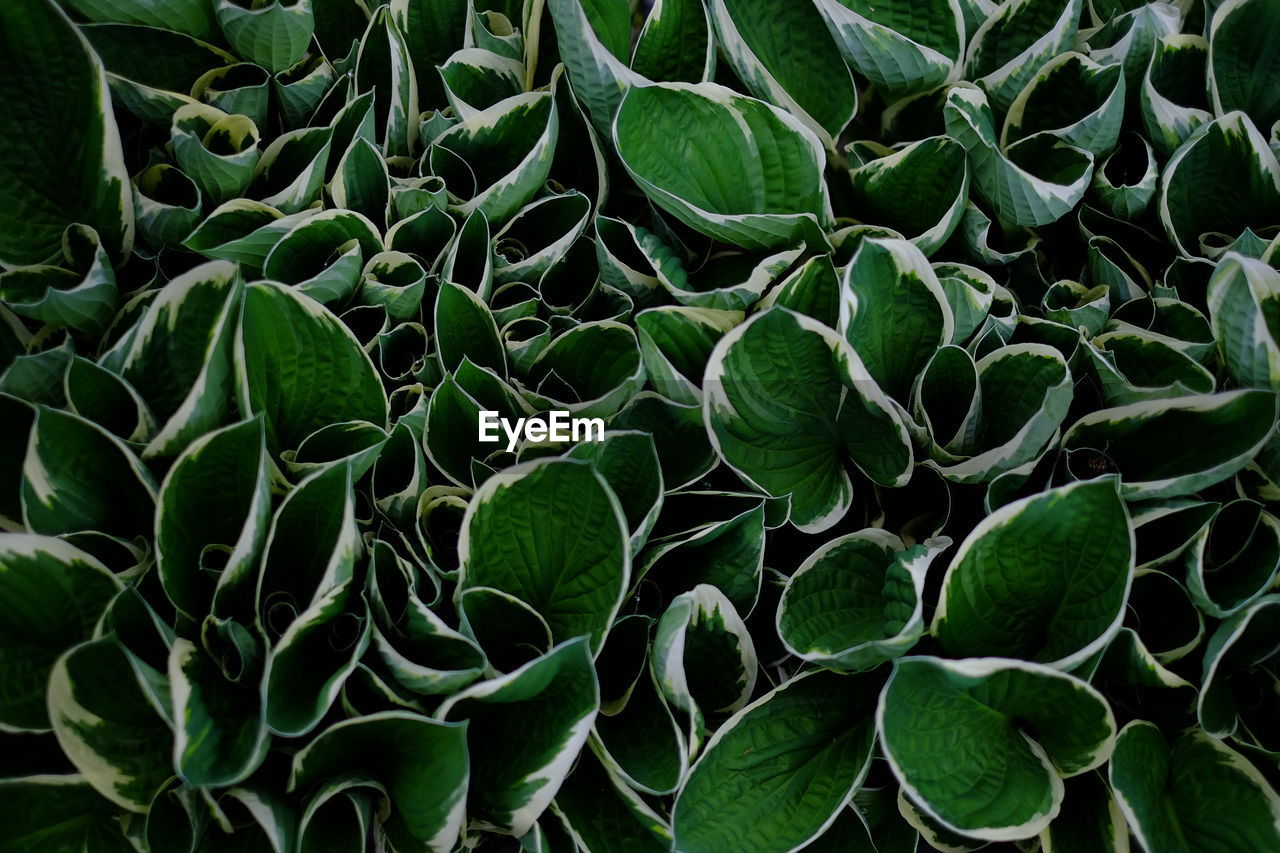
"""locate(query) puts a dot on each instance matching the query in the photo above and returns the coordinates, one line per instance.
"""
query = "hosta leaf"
(1232, 559)
(60, 153)
(1244, 310)
(678, 434)
(1125, 183)
(600, 809)
(772, 390)
(178, 356)
(1033, 182)
(283, 333)
(755, 179)
(1015, 41)
(192, 17)
(599, 363)
(384, 66)
(1242, 644)
(218, 151)
(213, 511)
(77, 477)
(919, 190)
(306, 602)
(904, 48)
(779, 771)
(813, 85)
(1132, 366)
(628, 461)
(83, 297)
(323, 255)
(219, 735)
(432, 30)
(857, 601)
(1045, 578)
(676, 342)
(465, 329)
(53, 595)
(300, 88)
(423, 763)
(1177, 446)
(243, 88)
(727, 554)
(476, 79)
(893, 312)
(273, 34)
(524, 731)
(57, 813)
(539, 235)
(552, 533)
(1193, 794)
(1227, 152)
(1087, 116)
(1007, 782)
(676, 43)
(591, 47)
(106, 724)
(167, 204)
(291, 172)
(242, 230)
(703, 659)
(1090, 820)
(509, 148)
(1243, 69)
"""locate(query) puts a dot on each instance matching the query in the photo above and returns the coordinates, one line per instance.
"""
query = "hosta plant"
(921, 359)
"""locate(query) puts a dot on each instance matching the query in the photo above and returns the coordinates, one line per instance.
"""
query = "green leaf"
(423, 763)
(1240, 647)
(956, 735)
(813, 85)
(676, 342)
(525, 730)
(219, 735)
(53, 595)
(1036, 180)
(676, 43)
(331, 379)
(385, 66)
(919, 190)
(83, 297)
(509, 148)
(432, 30)
(1244, 312)
(465, 329)
(1232, 559)
(57, 813)
(1011, 46)
(893, 312)
(598, 362)
(218, 151)
(772, 405)
(192, 17)
(1178, 446)
(1243, 69)
(703, 659)
(106, 724)
(274, 34)
(754, 178)
(211, 521)
(592, 56)
(1078, 100)
(857, 601)
(1045, 578)
(1197, 793)
(552, 533)
(1090, 821)
(905, 48)
(779, 771)
(1227, 152)
(599, 808)
(323, 255)
(307, 603)
(77, 477)
(60, 154)
(628, 461)
(167, 204)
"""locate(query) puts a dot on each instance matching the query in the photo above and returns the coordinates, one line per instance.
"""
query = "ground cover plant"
(938, 348)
